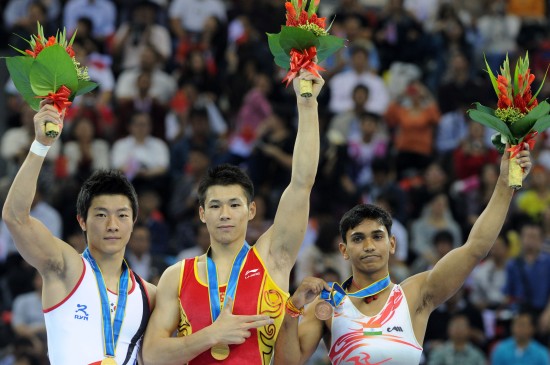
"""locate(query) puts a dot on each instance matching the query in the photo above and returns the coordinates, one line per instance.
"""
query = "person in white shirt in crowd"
(102, 13)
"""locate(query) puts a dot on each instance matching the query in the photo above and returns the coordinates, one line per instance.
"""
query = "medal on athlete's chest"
(222, 351)
(108, 361)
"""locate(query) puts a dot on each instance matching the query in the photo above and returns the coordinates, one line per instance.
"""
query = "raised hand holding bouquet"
(49, 71)
(303, 42)
(518, 117)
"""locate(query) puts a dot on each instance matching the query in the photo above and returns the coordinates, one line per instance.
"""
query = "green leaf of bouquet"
(83, 87)
(491, 121)
(328, 45)
(525, 124)
(282, 59)
(542, 124)
(484, 109)
(294, 37)
(52, 68)
(19, 68)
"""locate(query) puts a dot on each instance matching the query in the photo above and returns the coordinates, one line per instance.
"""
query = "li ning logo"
(80, 312)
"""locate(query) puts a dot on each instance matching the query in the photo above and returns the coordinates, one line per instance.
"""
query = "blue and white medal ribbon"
(111, 330)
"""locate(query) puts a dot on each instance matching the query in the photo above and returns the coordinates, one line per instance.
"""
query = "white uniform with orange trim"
(74, 326)
(387, 338)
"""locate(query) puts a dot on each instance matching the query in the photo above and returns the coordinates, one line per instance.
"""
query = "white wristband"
(39, 149)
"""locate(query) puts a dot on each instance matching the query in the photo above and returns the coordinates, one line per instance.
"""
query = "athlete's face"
(109, 223)
(368, 247)
(226, 213)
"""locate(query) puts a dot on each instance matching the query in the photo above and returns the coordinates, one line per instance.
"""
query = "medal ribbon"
(335, 296)
(111, 330)
(212, 276)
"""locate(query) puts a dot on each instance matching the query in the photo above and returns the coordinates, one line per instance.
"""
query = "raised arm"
(160, 348)
(297, 341)
(282, 241)
(33, 240)
(449, 274)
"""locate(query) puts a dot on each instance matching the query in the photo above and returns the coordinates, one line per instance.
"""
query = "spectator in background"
(384, 183)
(151, 216)
(27, 316)
(146, 102)
(414, 117)
(21, 17)
(197, 135)
(182, 208)
(270, 162)
(256, 109)
(434, 182)
(489, 278)
(498, 32)
(144, 159)
(102, 13)
(202, 242)
(342, 85)
(365, 145)
(436, 217)
(188, 17)
(101, 115)
(139, 256)
(440, 244)
(399, 36)
(472, 153)
(521, 348)
(84, 152)
(458, 304)
(536, 198)
(138, 32)
(348, 122)
(16, 141)
(41, 210)
(525, 288)
(458, 349)
(21, 14)
(487, 284)
(99, 69)
(324, 254)
(459, 86)
(163, 86)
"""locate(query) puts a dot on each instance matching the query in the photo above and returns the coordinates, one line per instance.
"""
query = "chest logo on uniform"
(394, 329)
(80, 312)
(251, 273)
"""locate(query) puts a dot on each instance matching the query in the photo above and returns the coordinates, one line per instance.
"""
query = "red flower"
(51, 41)
(70, 51)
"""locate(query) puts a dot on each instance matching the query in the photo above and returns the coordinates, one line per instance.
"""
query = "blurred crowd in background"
(188, 84)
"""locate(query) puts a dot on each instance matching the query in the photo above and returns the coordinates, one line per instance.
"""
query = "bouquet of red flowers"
(49, 70)
(302, 42)
(519, 117)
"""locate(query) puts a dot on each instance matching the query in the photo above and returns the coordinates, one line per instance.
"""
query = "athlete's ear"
(393, 244)
(252, 210)
(343, 250)
(81, 222)
(201, 214)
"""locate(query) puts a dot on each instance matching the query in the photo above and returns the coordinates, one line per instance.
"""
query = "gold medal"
(220, 352)
(323, 311)
(108, 361)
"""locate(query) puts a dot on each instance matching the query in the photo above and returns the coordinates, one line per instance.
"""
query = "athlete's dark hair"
(353, 217)
(225, 175)
(105, 182)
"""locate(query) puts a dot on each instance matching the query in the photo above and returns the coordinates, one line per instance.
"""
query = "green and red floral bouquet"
(302, 42)
(49, 70)
(519, 117)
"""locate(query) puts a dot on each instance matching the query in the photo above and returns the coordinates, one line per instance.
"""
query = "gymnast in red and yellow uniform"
(256, 293)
